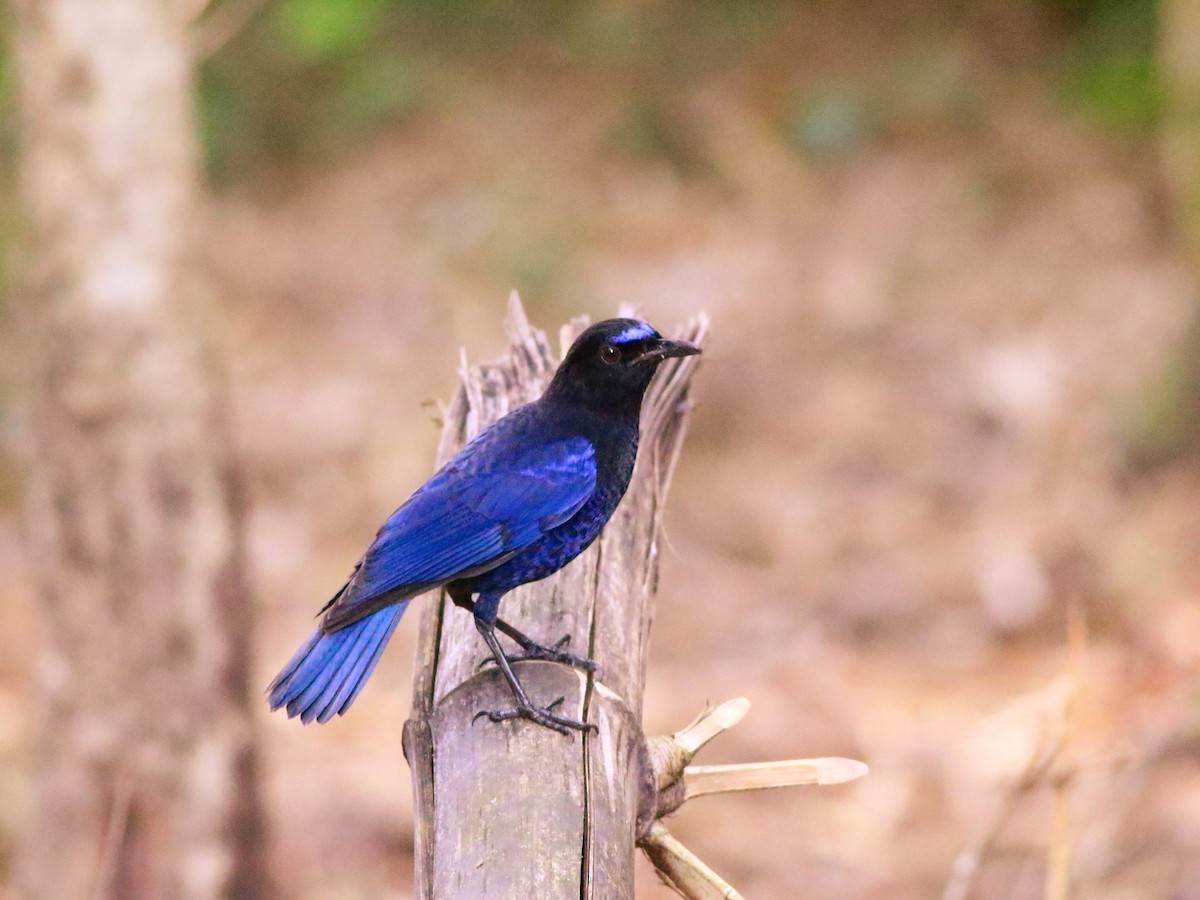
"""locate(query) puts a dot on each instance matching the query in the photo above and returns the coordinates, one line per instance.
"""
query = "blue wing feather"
(484, 506)
(467, 519)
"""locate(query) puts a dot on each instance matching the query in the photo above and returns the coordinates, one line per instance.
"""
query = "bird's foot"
(543, 716)
(533, 650)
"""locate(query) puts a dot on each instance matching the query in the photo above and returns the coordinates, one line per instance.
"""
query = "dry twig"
(1052, 762)
(677, 782)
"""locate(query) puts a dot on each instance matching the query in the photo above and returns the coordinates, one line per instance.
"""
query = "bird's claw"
(556, 653)
(543, 716)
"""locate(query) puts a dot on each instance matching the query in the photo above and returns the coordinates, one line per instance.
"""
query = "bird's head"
(610, 365)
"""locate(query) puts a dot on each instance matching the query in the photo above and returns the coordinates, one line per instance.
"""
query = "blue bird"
(516, 504)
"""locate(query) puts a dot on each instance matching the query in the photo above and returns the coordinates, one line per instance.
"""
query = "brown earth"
(902, 470)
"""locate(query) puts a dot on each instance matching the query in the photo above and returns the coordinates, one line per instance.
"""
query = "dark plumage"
(515, 505)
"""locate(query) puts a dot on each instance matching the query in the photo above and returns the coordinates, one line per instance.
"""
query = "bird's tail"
(326, 674)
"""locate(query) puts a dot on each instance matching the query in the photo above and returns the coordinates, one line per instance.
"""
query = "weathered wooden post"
(514, 811)
(507, 810)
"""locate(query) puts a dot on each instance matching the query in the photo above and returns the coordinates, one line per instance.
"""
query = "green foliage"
(304, 78)
(321, 30)
(309, 76)
(1122, 93)
(1113, 75)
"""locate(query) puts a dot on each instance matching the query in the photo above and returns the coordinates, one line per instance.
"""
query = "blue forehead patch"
(633, 333)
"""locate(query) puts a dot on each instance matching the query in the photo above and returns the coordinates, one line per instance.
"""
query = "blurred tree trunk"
(146, 762)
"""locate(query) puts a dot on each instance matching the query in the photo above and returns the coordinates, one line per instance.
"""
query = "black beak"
(664, 349)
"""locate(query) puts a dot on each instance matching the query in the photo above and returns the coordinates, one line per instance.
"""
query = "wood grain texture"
(511, 810)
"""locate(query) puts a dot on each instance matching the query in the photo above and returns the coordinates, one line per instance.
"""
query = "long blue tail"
(326, 674)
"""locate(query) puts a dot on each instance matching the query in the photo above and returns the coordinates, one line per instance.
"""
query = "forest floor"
(905, 463)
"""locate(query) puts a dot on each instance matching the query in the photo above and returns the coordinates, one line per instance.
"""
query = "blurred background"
(952, 392)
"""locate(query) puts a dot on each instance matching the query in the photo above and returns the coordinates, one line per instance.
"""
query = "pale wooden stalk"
(683, 870)
(700, 781)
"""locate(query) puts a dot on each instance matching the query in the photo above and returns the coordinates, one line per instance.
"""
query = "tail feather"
(327, 673)
(346, 694)
(318, 698)
(309, 701)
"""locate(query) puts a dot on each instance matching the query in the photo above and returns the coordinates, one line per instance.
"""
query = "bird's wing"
(465, 521)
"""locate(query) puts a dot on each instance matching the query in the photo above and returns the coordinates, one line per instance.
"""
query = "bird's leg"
(543, 716)
(530, 649)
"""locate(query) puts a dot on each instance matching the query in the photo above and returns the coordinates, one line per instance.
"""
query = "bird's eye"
(610, 354)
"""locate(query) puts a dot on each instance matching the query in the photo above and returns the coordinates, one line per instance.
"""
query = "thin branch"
(1050, 762)
(683, 870)
(1058, 862)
